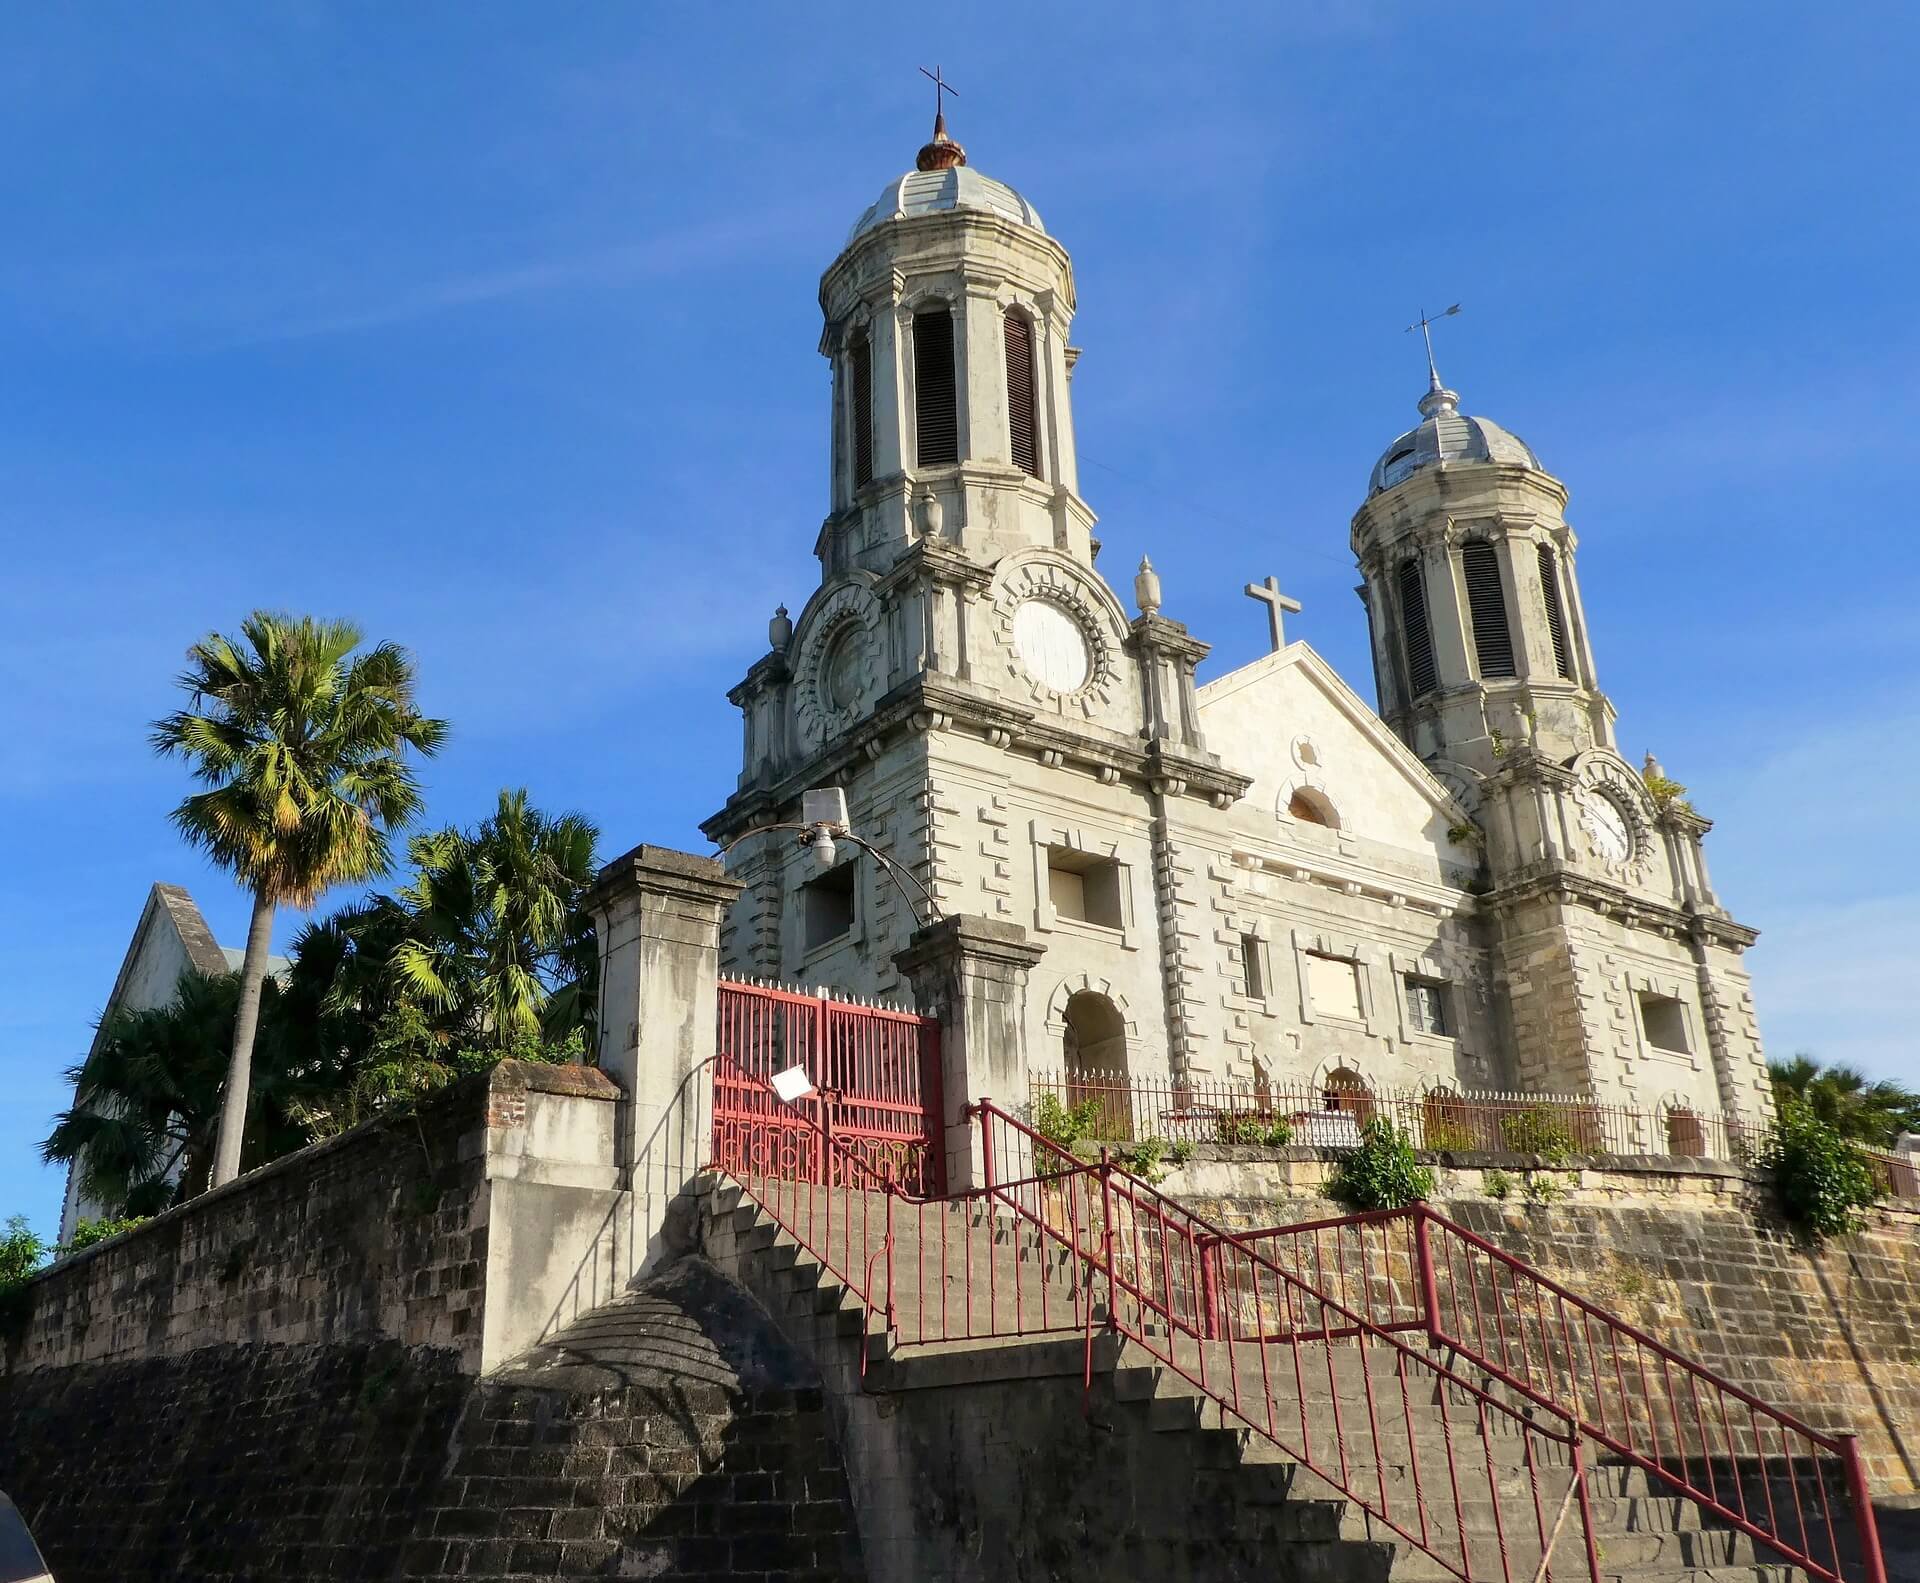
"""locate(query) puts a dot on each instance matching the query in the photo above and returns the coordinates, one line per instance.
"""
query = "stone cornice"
(1614, 901)
(662, 871)
(930, 703)
(1165, 636)
(770, 670)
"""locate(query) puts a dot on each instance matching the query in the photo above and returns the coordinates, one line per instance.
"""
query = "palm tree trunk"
(246, 1019)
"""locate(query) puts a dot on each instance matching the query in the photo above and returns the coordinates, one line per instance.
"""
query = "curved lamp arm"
(894, 872)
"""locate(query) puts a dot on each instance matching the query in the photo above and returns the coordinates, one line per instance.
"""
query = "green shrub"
(1145, 1159)
(1820, 1180)
(1453, 1136)
(1182, 1152)
(1536, 1130)
(87, 1232)
(1273, 1131)
(1497, 1183)
(1542, 1189)
(1382, 1173)
(21, 1254)
(1062, 1126)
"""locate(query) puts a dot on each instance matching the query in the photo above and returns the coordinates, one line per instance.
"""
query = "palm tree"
(501, 944)
(146, 1101)
(302, 746)
(1873, 1112)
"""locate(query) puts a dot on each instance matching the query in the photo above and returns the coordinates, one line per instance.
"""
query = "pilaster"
(657, 913)
(972, 974)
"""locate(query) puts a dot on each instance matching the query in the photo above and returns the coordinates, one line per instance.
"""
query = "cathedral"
(1260, 878)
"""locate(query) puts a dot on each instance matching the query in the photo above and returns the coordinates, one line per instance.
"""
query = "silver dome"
(1445, 434)
(937, 191)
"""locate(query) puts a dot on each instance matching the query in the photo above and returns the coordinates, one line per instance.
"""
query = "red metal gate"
(876, 1072)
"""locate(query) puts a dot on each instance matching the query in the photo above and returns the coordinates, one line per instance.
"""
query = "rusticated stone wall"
(1688, 1251)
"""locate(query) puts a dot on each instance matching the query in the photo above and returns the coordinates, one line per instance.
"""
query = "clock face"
(1052, 646)
(1607, 825)
(840, 675)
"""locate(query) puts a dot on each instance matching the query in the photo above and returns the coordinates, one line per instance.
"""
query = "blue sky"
(493, 327)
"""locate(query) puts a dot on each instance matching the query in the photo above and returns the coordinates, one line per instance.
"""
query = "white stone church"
(1264, 878)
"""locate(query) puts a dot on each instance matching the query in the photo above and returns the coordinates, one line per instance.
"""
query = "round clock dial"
(1052, 646)
(1607, 825)
(840, 674)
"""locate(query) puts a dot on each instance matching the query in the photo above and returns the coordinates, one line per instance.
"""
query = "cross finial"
(1268, 593)
(941, 152)
(1425, 326)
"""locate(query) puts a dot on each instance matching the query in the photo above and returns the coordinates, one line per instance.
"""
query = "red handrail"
(1559, 1349)
(1155, 1254)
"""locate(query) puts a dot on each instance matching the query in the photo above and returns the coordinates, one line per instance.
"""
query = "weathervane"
(1425, 326)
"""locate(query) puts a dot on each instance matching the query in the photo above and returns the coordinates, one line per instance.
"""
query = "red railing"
(916, 1261)
(1449, 1390)
(877, 1069)
(1128, 1109)
(1431, 1454)
(1762, 1471)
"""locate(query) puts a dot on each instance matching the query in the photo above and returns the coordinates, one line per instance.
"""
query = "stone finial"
(1146, 588)
(1522, 722)
(780, 628)
(930, 514)
(1652, 770)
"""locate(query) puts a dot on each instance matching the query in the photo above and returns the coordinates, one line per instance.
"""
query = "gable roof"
(1300, 656)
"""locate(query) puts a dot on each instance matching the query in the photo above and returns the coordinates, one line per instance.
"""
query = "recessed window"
(1253, 967)
(1556, 615)
(1427, 1006)
(1487, 604)
(1333, 986)
(1085, 889)
(936, 420)
(860, 368)
(1665, 1020)
(1423, 674)
(826, 907)
(1310, 807)
(1023, 430)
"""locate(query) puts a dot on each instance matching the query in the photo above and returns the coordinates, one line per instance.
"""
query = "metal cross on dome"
(941, 87)
(1425, 326)
(1268, 593)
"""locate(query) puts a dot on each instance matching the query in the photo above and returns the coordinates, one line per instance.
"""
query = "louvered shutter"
(1422, 674)
(860, 361)
(1487, 602)
(1556, 618)
(1021, 426)
(935, 412)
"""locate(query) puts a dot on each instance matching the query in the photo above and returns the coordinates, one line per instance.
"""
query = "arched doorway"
(1345, 1089)
(1095, 1050)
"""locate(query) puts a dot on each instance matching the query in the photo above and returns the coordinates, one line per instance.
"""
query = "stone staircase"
(1198, 1492)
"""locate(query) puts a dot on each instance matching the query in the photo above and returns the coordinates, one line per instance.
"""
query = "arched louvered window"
(936, 417)
(1556, 616)
(860, 382)
(1487, 603)
(1022, 427)
(1422, 674)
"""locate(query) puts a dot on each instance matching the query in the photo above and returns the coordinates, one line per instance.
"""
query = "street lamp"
(822, 823)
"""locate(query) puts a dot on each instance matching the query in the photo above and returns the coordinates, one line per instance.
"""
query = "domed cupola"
(1478, 632)
(1446, 434)
(946, 321)
(941, 181)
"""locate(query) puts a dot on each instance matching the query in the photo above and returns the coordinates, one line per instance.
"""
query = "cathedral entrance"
(1095, 1050)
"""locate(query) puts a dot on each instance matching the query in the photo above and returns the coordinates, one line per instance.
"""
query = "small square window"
(1333, 986)
(1665, 1020)
(826, 907)
(1085, 889)
(1427, 1006)
(1253, 967)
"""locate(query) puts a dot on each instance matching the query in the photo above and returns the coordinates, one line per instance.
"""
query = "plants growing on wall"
(1382, 1173)
(1536, 1130)
(1820, 1181)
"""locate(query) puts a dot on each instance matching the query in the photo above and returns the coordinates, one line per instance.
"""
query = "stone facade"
(1259, 877)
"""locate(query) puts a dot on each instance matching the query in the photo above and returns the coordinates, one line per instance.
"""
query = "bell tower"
(1479, 638)
(1623, 969)
(946, 318)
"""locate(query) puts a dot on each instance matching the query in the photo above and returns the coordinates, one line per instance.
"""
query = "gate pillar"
(971, 973)
(657, 913)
